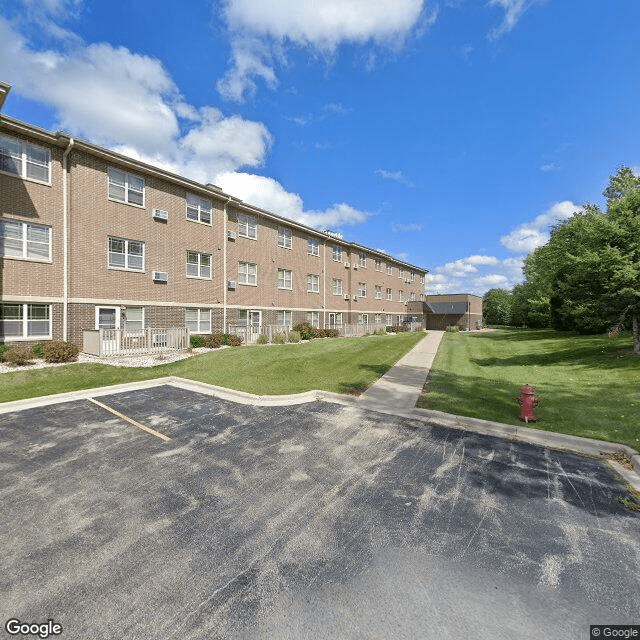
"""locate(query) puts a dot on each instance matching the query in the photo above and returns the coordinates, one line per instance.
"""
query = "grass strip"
(588, 386)
(342, 365)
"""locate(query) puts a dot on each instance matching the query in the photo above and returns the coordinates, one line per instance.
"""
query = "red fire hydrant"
(528, 400)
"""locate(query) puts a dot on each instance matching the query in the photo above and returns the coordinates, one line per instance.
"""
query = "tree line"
(587, 277)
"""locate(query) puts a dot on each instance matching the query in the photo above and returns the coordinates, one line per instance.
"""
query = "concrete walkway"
(398, 390)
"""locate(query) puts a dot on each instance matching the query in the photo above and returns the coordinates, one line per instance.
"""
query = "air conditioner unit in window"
(346, 296)
(160, 276)
(232, 235)
(355, 265)
(347, 265)
(355, 298)
(159, 214)
(231, 284)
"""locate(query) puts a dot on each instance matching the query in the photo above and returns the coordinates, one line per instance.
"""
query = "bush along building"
(91, 239)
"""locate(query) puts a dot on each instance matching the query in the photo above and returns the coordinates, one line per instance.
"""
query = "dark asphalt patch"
(310, 521)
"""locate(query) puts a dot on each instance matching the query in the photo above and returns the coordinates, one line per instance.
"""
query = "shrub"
(389, 329)
(37, 350)
(453, 329)
(262, 339)
(379, 332)
(213, 341)
(332, 333)
(18, 356)
(398, 328)
(234, 341)
(294, 336)
(307, 332)
(60, 351)
(196, 342)
(278, 338)
(3, 349)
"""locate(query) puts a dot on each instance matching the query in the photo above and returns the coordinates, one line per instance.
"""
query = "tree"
(496, 307)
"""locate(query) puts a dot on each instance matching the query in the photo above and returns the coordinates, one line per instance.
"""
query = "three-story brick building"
(92, 239)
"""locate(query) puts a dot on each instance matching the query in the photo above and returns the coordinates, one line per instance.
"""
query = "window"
(378, 264)
(313, 284)
(24, 240)
(378, 318)
(389, 294)
(378, 292)
(389, 270)
(126, 254)
(362, 290)
(389, 319)
(25, 321)
(247, 273)
(401, 295)
(284, 319)
(284, 237)
(247, 226)
(412, 296)
(362, 259)
(198, 265)
(313, 246)
(198, 320)
(198, 209)
(25, 160)
(421, 279)
(125, 187)
(133, 318)
(363, 318)
(313, 318)
(285, 279)
(335, 319)
(336, 287)
(337, 253)
(401, 273)
(413, 276)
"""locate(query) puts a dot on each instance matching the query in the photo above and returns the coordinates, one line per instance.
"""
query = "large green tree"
(496, 306)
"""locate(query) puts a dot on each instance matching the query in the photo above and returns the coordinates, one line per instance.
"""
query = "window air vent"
(346, 297)
(232, 235)
(160, 276)
(159, 214)
(347, 265)
(231, 284)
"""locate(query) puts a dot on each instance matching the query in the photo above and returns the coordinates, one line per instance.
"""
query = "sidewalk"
(398, 390)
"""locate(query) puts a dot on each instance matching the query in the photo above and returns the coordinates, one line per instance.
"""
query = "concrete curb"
(549, 439)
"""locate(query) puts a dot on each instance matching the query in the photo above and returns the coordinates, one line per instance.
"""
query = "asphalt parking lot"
(312, 521)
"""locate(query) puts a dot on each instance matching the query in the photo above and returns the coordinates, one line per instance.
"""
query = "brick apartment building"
(92, 239)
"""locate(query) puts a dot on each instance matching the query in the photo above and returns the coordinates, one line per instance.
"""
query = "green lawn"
(342, 365)
(588, 385)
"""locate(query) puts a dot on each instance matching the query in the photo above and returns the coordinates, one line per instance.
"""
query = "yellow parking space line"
(153, 432)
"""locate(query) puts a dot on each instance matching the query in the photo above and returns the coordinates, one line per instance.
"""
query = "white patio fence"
(116, 342)
(250, 334)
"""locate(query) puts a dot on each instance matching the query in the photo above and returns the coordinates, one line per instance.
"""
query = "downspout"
(65, 243)
(224, 268)
(324, 283)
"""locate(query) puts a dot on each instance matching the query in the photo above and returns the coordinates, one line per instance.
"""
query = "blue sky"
(450, 134)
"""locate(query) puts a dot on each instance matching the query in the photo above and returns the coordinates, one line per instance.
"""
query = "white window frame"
(389, 270)
(421, 279)
(389, 319)
(412, 296)
(202, 207)
(389, 294)
(313, 283)
(282, 279)
(126, 255)
(284, 318)
(127, 186)
(202, 317)
(336, 316)
(401, 295)
(313, 246)
(285, 238)
(377, 319)
(247, 226)
(378, 290)
(337, 253)
(118, 313)
(363, 318)
(25, 242)
(125, 310)
(378, 264)
(362, 289)
(336, 287)
(22, 157)
(313, 318)
(362, 259)
(248, 273)
(200, 267)
(24, 320)
(401, 274)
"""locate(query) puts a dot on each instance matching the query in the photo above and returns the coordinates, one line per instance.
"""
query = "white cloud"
(269, 194)
(140, 112)
(261, 28)
(513, 11)
(397, 176)
(406, 228)
(530, 235)
(550, 166)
